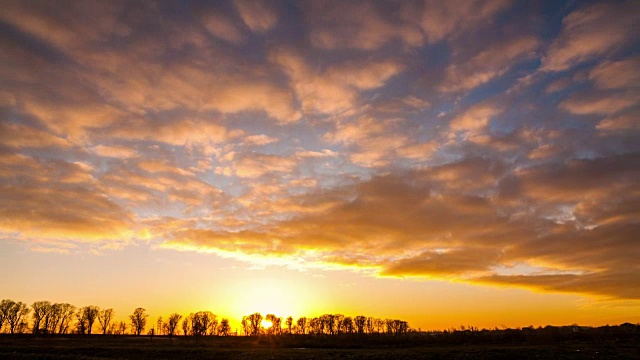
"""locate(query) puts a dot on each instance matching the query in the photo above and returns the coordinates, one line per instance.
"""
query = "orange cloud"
(335, 90)
(488, 64)
(591, 31)
(258, 16)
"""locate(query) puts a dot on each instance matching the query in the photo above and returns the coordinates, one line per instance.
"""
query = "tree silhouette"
(289, 324)
(252, 324)
(302, 325)
(87, 315)
(186, 326)
(275, 328)
(346, 325)
(138, 320)
(104, 318)
(122, 328)
(359, 323)
(40, 310)
(16, 313)
(224, 329)
(159, 326)
(5, 305)
(66, 312)
(171, 325)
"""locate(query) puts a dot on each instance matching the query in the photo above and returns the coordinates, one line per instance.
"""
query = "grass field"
(125, 347)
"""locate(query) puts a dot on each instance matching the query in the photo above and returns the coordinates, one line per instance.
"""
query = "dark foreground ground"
(125, 347)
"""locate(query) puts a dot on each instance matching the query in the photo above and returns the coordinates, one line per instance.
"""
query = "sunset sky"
(442, 162)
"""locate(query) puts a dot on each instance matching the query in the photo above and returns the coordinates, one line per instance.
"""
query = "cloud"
(116, 151)
(599, 102)
(178, 132)
(23, 136)
(488, 64)
(430, 223)
(58, 201)
(255, 165)
(358, 24)
(474, 119)
(627, 121)
(591, 31)
(617, 74)
(260, 140)
(221, 26)
(448, 263)
(258, 16)
(442, 19)
(336, 89)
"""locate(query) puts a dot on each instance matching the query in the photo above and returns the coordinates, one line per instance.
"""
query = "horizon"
(469, 163)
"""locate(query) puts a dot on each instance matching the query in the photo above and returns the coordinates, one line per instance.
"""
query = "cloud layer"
(479, 141)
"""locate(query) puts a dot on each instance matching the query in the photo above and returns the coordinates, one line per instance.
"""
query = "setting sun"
(266, 324)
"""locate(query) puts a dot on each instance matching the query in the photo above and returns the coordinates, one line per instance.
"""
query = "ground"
(126, 347)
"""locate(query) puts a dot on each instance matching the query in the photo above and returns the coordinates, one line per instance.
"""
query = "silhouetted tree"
(315, 326)
(138, 320)
(40, 310)
(159, 326)
(245, 325)
(346, 325)
(104, 318)
(66, 314)
(186, 326)
(302, 325)
(87, 315)
(5, 305)
(253, 324)
(224, 329)
(359, 323)
(289, 324)
(275, 328)
(171, 325)
(15, 317)
(122, 328)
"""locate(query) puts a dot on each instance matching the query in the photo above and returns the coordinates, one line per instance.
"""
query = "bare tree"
(346, 325)
(159, 326)
(273, 319)
(53, 319)
(337, 321)
(40, 310)
(302, 325)
(186, 326)
(171, 325)
(138, 320)
(15, 317)
(66, 314)
(5, 305)
(122, 328)
(86, 318)
(359, 323)
(104, 318)
(245, 325)
(252, 324)
(224, 329)
(289, 324)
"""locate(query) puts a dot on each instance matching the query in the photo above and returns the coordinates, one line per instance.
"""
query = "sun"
(266, 323)
(278, 296)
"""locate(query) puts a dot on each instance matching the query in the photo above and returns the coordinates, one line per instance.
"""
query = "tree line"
(44, 317)
(327, 324)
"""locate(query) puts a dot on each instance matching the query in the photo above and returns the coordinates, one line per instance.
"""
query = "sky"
(442, 162)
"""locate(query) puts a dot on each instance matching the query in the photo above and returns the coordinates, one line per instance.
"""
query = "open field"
(129, 347)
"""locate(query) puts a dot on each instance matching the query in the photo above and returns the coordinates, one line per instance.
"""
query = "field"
(131, 347)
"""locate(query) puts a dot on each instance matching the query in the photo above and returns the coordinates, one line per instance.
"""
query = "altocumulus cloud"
(492, 142)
